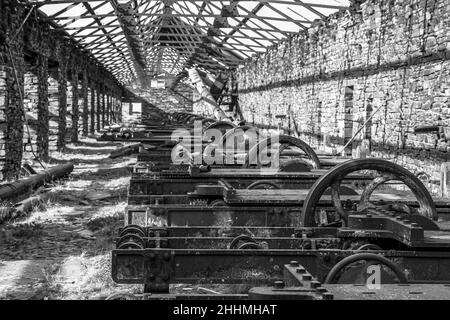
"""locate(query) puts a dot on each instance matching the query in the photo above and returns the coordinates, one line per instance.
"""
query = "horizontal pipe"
(21, 187)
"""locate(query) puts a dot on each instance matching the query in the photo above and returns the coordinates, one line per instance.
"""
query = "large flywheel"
(385, 171)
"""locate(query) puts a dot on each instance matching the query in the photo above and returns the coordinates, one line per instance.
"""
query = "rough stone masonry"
(382, 64)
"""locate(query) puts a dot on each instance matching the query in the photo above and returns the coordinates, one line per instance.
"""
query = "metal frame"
(139, 39)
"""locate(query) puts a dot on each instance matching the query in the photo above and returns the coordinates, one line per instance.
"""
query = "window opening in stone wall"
(136, 107)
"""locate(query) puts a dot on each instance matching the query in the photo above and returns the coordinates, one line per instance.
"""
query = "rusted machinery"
(165, 183)
(315, 254)
(152, 133)
(300, 232)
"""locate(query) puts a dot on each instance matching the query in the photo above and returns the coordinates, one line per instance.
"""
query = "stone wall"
(3, 99)
(12, 58)
(43, 130)
(382, 66)
(30, 104)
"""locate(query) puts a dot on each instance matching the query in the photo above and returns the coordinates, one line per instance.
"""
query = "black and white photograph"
(219, 159)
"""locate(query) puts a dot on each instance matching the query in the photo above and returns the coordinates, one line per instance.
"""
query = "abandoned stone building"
(355, 92)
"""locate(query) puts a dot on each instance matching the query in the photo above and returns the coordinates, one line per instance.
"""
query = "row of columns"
(91, 103)
(94, 96)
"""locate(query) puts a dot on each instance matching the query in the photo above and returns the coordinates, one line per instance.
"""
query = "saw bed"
(310, 235)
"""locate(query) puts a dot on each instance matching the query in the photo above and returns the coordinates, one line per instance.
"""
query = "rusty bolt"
(315, 284)
(300, 270)
(278, 284)
(307, 277)
(294, 263)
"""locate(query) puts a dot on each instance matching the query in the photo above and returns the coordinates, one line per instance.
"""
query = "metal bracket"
(158, 270)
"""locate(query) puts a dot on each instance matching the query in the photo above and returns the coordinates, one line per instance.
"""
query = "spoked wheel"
(294, 166)
(249, 245)
(357, 268)
(184, 118)
(277, 145)
(207, 122)
(130, 245)
(218, 203)
(244, 242)
(385, 171)
(223, 126)
(245, 137)
(263, 185)
(190, 119)
(369, 246)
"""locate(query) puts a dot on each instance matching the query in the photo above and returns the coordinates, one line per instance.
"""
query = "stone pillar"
(92, 128)
(75, 110)
(30, 105)
(445, 179)
(108, 109)
(114, 109)
(3, 100)
(53, 109)
(69, 113)
(42, 108)
(103, 108)
(62, 92)
(12, 16)
(119, 109)
(85, 115)
(99, 108)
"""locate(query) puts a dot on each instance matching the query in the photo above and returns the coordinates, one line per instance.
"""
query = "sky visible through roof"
(160, 37)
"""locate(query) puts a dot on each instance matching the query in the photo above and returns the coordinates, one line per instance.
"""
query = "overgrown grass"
(69, 222)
